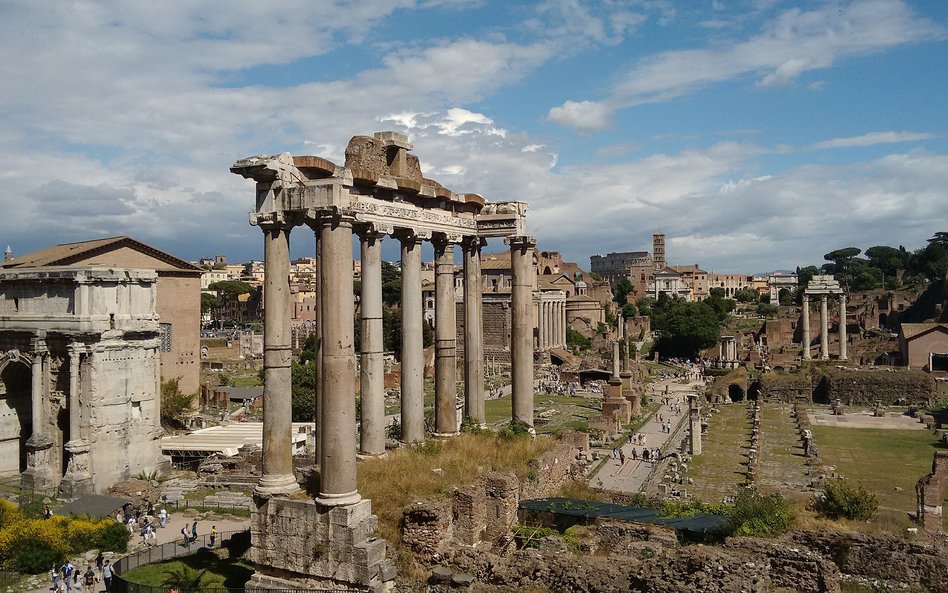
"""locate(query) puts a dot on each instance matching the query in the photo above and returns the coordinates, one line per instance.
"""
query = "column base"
(368, 455)
(78, 479)
(445, 435)
(338, 500)
(271, 485)
(38, 474)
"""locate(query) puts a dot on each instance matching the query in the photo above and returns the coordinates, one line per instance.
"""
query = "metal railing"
(179, 548)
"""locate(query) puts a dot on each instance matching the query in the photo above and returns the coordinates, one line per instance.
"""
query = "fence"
(177, 549)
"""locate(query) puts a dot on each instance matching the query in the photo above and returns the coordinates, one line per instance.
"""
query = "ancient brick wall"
(786, 387)
(866, 387)
(427, 529)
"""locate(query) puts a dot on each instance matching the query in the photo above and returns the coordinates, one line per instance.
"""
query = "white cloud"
(793, 43)
(585, 116)
(872, 139)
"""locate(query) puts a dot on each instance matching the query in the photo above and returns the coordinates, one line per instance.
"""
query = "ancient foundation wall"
(866, 387)
(931, 491)
(786, 387)
(486, 510)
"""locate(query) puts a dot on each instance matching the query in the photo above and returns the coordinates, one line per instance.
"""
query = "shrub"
(112, 537)
(32, 556)
(845, 500)
(758, 515)
(515, 430)
(175, 405)
(9, 513)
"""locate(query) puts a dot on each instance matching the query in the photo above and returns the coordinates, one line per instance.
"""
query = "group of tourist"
(66, 578)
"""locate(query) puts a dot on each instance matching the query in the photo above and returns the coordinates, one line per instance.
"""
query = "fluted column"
(824, 329)
(521, 347)
(842, 327)
(337, 482)
(473, 332)
(413, 396)
(806, 326)
(277, 462)
(319, 347)
(446, 370)
(372, 375)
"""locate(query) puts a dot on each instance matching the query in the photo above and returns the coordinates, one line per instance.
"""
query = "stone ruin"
(931, 491)
(380, 191)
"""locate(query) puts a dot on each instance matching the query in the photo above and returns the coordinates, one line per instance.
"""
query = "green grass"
(721, 467)
(222, 572)
(888, 462)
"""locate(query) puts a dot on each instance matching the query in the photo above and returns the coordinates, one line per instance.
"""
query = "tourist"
(107, 576)
(635, 454)
(47, 512)
(88, 579)
(98, 563)
(68, 569)
(186, 536)
(621, 457)
(194, 531)
(163, 518)
(213, 534)
(54, 575)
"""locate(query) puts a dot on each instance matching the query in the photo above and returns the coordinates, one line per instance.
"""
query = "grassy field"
(227, 571)
(560, 412)
(721, 467)
(782, 462)
(888, 462)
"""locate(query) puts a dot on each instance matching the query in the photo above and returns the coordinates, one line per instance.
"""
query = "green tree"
(766, 309)
(391, 284)
(804, 275)
(686, 328)
(717, 292)
(841, 259)
(175, 405)
(746, 295)
(185, 577)
(208, 302)
(887, 259)
(621, 290)
(577, 341)
(629, 310)
(235, 287)
(304, 378)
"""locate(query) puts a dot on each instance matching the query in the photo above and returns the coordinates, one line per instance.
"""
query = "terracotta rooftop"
(911, 330)
(66, 254)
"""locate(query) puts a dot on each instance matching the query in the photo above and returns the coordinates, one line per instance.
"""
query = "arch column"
(824, 329)
(372, 374)
(78, 478)
(521, 346)
(446, 370)
(843, 355)
(38, 474)
(337, 458)
(474, 407)
(412, 380)
(806, 326)
(277, 478)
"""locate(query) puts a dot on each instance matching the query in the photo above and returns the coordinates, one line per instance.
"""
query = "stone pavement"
(630, 477)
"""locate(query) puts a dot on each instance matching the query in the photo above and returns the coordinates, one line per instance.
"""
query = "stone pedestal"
(78, 479)
(615, 406)
(298, 544)
(38, 475)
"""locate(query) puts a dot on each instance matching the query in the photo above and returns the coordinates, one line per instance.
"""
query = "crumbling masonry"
(379, 192)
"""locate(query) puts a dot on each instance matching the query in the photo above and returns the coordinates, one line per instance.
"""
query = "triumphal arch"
(379, 192)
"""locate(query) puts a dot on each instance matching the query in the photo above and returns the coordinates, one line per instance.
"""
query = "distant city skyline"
(757, 134)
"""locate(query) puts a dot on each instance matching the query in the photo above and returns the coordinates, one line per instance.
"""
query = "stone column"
(38, 474)
(337, 458)
(319, 346)
(413, 364)
(842, 327)
(473, 332)
(277, 478)
(694, 425)
(372, 376)
(521, 350)
(446, 370)
(806, 326)
(78, 478)
(824, 329)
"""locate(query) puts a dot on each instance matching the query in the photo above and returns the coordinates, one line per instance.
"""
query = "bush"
(33, 556)
(113, 537)
(845, 500)
(757, 515)
(9, 513)
(515, 430)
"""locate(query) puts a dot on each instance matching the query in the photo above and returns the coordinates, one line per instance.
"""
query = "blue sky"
(756, 134)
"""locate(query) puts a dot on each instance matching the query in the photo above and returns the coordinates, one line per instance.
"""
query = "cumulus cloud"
(585, 116)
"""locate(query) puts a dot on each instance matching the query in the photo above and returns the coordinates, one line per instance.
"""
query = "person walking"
(163, 518)
(194, 531)
(213, 534)
(107, 576)
(98, 563)
(54, 575)
(88, 579)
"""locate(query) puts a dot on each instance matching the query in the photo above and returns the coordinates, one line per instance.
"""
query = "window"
(164, 334)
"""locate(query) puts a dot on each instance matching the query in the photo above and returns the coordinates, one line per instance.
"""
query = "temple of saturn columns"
(379, 192)
(823, 286)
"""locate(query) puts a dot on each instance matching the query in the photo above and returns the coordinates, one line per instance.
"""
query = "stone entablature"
(83, 340)
(823, 286)
(379, 192)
